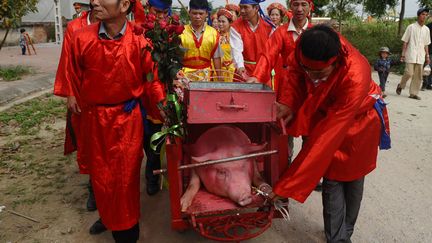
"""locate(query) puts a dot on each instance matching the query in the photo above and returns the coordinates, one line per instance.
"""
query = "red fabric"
(155, 93)
(63, 88)
(104, 75)
(139, 13)
(314, 64)
(278, 48)
(338, 116)
(254, 44)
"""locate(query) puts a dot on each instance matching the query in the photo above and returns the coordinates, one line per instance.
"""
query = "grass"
(13, 73)
(29, 116)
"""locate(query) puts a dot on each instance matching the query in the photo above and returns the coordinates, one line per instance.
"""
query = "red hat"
(233, 7)
(225, 12)
(276, 6)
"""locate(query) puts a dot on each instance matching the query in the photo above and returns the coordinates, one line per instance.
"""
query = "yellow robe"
(199, 53)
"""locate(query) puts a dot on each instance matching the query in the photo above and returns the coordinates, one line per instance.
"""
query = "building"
(41, 25)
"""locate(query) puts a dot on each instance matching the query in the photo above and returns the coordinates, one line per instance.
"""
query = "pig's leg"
(259, 182)
(191, 190)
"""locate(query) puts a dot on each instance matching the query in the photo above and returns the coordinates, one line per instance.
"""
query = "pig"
(232, 179)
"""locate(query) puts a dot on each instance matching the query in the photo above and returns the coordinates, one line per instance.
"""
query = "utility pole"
(58, 22)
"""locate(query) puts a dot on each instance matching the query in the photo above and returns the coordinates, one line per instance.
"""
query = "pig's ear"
(254, 147)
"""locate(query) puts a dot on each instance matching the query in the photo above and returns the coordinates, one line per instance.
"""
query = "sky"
(410, 9)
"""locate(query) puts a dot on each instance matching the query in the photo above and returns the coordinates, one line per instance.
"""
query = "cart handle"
(219, 161)
(219, 106)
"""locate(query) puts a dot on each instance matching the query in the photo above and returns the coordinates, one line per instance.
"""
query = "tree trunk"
(4, 38)
(401, 17)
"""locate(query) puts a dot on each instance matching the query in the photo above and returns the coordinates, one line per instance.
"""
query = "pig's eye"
(221, 173)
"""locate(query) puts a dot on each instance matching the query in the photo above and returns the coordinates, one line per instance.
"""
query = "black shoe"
(416, 97)
(398, 89)
(97, 228)
(91, 201)
(318, 188)
(152, 188)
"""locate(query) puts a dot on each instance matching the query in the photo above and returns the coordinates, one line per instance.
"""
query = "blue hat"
(160, 4)
(261, 12)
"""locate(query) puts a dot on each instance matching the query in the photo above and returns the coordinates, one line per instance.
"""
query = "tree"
(425, 3)
(378, 8)
(342, 10)
(11, 12)
(401, 17)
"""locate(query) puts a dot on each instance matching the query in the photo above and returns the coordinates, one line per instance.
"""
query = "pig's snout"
(245, 200)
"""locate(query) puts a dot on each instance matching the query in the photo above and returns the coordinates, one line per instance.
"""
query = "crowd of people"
(324, 90)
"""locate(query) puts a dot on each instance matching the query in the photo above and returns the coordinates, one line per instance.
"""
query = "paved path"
(43, 65)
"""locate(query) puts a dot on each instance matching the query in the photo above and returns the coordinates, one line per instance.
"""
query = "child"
(22, 41)
(382, 66)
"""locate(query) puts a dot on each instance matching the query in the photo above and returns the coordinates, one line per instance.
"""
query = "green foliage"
(11, 11)
(425, 3)
(342, 10)
(369, 37)
(378, 8)
(29, 116)
(13, 73)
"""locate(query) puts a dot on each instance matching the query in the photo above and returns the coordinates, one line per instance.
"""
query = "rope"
(277, 204)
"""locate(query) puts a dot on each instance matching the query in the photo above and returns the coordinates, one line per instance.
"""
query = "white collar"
(291, 26)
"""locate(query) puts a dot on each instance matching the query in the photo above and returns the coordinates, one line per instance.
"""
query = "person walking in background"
(415, 53)
(23, 41)
(382, 66)
(427, 80)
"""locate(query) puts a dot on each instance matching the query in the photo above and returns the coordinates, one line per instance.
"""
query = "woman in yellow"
(225, 19)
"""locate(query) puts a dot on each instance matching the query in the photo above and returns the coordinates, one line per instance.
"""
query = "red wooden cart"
(251, 107)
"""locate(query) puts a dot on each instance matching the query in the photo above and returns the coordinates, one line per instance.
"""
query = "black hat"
(421, 10)
(199, 4)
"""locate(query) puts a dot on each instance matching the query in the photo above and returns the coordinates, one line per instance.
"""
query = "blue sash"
(130, 105)
(385, 141)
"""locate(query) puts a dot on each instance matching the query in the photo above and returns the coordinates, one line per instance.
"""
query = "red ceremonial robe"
(278, 48)
(104, 75)
(339, 118)
(253, 44)
(63, 88)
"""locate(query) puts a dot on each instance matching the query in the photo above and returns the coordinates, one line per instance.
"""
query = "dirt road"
(37, 180)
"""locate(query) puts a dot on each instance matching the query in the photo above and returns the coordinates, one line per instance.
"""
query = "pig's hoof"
(185, 202)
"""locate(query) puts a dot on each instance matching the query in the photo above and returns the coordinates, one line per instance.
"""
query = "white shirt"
(292, 28)
(236, 43)
(417, 37)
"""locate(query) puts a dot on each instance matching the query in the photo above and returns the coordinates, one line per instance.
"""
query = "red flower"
(175, 18)
(179, 29)
(148, 25)
(151, 18)
(171, 29)
(163, 24)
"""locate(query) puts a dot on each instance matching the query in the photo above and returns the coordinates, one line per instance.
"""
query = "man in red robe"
(282, 43)
(248, 36)
(107, 66)
(63, 88)
(331, 98)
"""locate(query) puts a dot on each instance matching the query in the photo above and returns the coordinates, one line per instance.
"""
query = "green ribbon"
(174, 130)
(249, 62)
(173, 98)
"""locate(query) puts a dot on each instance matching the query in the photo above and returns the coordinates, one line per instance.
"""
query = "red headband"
(226, 13)
(314, 64)
(311, 4)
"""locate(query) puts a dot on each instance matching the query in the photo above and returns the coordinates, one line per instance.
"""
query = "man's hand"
(427, 60)
(252, 80)
(72, 105)
(284, 112)
(402, 58)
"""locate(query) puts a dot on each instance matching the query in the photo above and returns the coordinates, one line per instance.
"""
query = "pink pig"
(232, 179)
